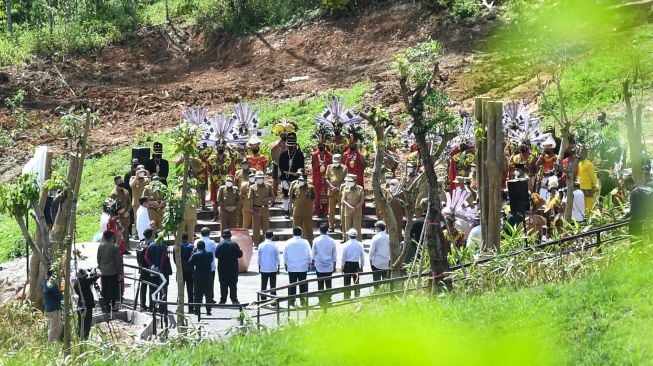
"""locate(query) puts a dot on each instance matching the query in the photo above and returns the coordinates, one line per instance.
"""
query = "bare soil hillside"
(142, 84)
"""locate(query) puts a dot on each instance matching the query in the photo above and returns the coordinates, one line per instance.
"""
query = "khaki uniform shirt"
(335, 176)
(353, 196)
(244, 194)
(228, 196)
(124, 199)
(153, 197)
(138, 186)
(241, 177)
(302, 199)
(260, 195)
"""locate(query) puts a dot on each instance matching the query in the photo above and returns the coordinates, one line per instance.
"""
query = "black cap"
(157, 148)
(226, 233)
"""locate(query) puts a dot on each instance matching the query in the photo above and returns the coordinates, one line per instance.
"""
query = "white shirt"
(268, 257)
(380, 251)
(297, 254)
(104, 221)
(578, 210)
(474, 237)
(209, 246)
(325, 254)
(142, 221)
(353, 252)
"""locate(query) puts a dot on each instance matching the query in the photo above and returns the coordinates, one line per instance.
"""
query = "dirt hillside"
(142, 84)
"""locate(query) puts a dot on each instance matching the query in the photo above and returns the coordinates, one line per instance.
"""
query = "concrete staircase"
(282, 227)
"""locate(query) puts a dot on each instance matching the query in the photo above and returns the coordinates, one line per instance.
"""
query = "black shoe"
(222, 302)
(127, 252)
(208, 313)
(332, 229)
(235, 302)
(286, 214)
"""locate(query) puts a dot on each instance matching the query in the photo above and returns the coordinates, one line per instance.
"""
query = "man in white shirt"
(143, 221)
(380, 253)
(353, 257)
(268, 263)
(297, 258)
(474, 238)
(324, 256)
(578, 209)
(209, 247)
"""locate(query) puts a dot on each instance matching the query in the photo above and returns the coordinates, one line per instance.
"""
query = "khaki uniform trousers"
(334, 199)
(260, 222)
(188, 226)
(156, 215)
(246, 215)
(228, 220)
(353, 220)
(306, 223)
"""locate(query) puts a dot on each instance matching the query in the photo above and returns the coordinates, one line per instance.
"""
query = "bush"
(459, 9)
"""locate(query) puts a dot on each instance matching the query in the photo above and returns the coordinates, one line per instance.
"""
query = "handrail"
(276, 299)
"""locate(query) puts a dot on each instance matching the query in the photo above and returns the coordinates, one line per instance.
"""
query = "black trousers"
(351, 270)
(110, 291)
(201, 289)
(85, 316)
(144, 290)
(188, 281)
(228, 285)
(303, 288)
(321, 283)
(380, 274)
(271, 278)
(210, 294)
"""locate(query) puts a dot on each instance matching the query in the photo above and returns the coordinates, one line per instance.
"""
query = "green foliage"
(459, 9)
(416, 63)
(16, 198)
(335, 6)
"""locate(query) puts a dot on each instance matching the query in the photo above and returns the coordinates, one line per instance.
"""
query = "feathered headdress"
(220, 131)
(111, 206)
(285, 126)
(246, 118)
(195, 116)
(337, 115)
(520, 126)
(465, 134)
(456, 206)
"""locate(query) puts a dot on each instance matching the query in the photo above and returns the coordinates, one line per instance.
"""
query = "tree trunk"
(481, 171)
(10, 26)
(634, 140)
(70, 233)
(410, 194)
(380, 199)
(181, 319)
(434, 237)
(571, 172)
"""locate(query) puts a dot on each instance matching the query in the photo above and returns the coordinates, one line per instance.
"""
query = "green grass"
(97, 179)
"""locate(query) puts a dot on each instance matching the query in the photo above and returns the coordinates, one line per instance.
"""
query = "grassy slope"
(604, 319)
(97, 180)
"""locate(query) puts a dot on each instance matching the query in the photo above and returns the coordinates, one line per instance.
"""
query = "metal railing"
(269, 300)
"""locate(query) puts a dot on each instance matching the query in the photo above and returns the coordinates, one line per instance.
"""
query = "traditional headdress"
(336, 115)
(284, 126)
(465, 133)
(221, 131)
(456, 202)
(246, 123)
(520, 126)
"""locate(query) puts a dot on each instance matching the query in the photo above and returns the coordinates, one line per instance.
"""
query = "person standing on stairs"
(262, 197)
(154, 192)
(290, 162)
(335, 177)
(138, 182)
(302, 196)
(352, 200)
(121, 195)
(228, 197)
(190, 214)
(355, 163)
(283, 128)
(158, 165)
(227, 254)
(244, 202)
(320, 160)
(241, 177)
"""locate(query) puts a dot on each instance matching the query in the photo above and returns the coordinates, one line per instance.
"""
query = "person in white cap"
(352, 200)
(302, 195)
(256, 160)
(353, 258)
(335, 177)
(261, 198)
(380, 252)
(227, 201)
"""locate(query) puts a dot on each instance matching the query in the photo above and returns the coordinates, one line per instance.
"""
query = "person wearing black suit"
(227, 254)
(158, 165)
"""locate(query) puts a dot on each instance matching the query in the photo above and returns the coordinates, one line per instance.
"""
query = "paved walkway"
(248, 284)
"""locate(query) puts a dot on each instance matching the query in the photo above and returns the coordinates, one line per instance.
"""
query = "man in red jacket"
(355, 163)
(321, 158)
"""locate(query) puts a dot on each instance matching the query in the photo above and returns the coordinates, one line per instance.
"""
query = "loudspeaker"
(142, 154)
(518, 195)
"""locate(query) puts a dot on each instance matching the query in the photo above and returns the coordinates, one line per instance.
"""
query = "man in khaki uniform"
(240, 178)
(245, 203)
(228, 197)
(190, 214)
(352, 202)
(302, 196)
(262, 198)
(121, 195)
(154, 192)
(335, 177)
(138, 182)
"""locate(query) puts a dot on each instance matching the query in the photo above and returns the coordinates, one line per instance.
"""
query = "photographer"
(86, 302)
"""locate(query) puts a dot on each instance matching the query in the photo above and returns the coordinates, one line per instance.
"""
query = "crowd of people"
(232, 174)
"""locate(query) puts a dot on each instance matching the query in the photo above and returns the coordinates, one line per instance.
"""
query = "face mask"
(256, 150)
(301, 184)
(411, 170)
(245, 166)
(229, 184)
(393, 187)
(517, 172)
(349, 184)
(251, 180)
(387, 181)
(337, 165)
(259, 181)
(473, 170)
